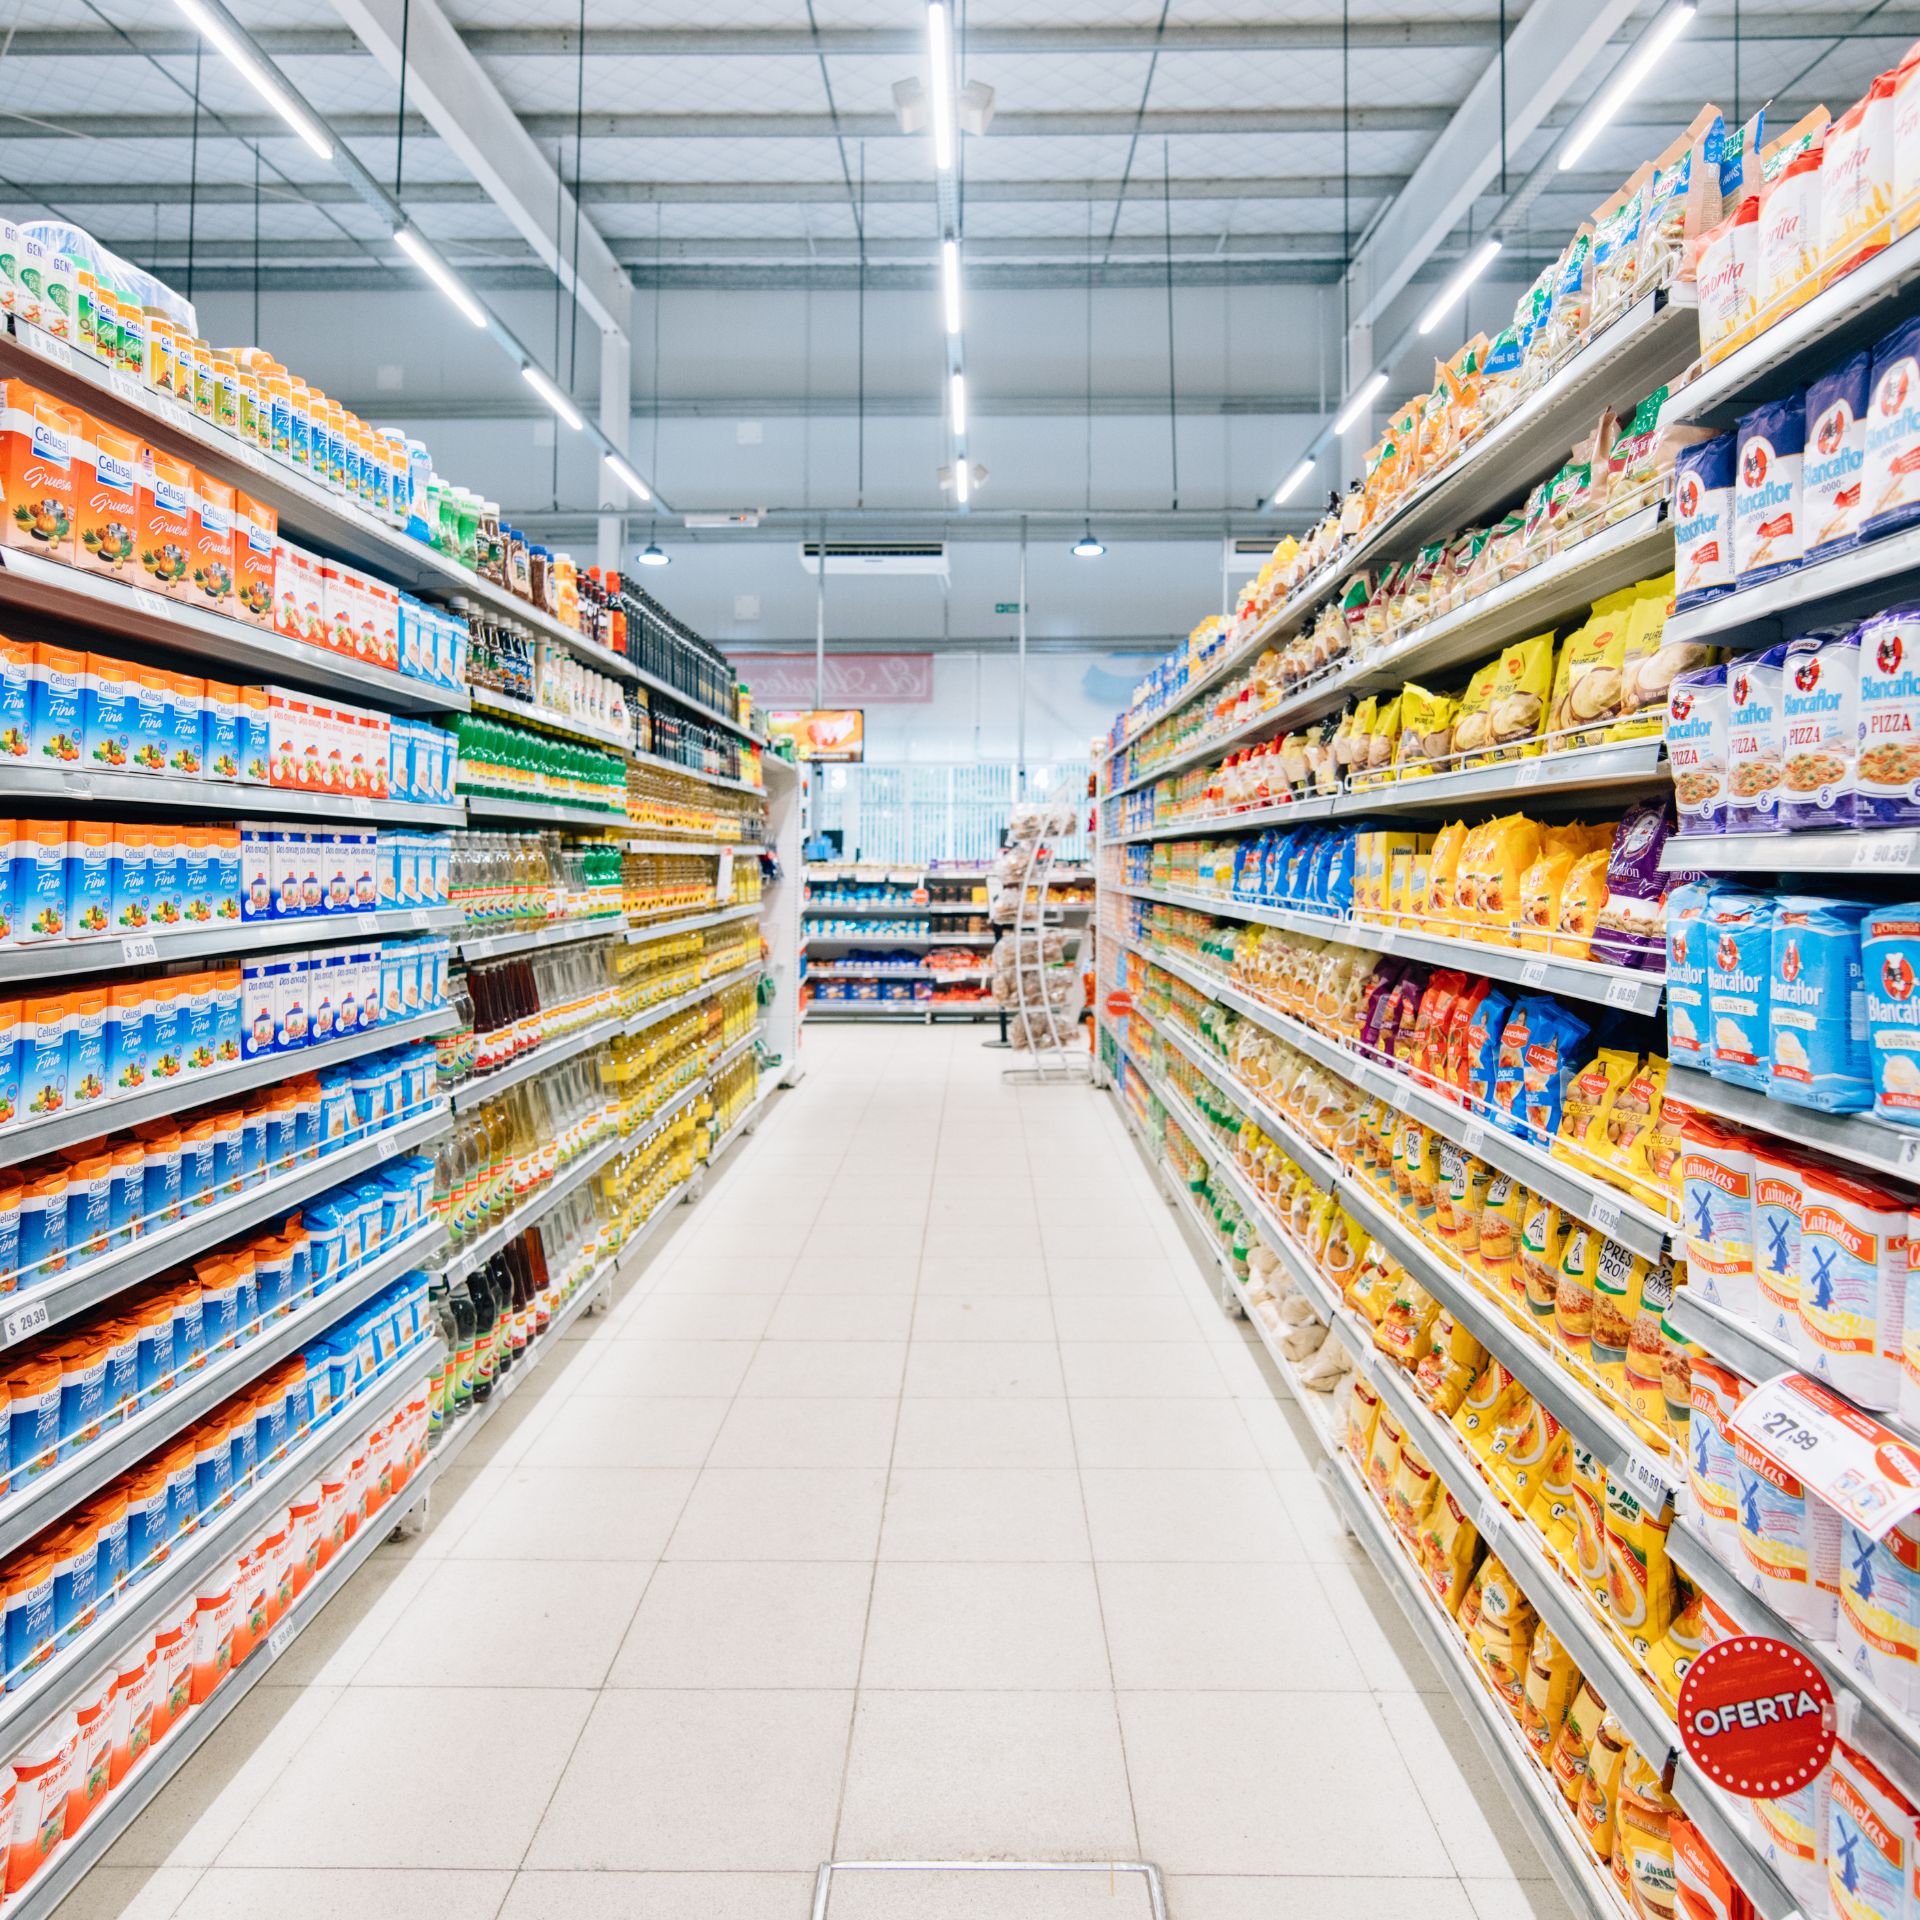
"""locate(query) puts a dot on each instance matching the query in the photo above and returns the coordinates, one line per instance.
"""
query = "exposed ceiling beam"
(1556, 43)
(837, 406)
(1395, 118)
(466, 109)
(909, 42)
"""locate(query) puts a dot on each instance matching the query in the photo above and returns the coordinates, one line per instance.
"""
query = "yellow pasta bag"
(1552, 1680)
(1487, 1401)
(1446, 1543)
(1383, 1456)
(1590, 1522)
(1683, 1642)
(1567, 1756)
(1639, 1574)
(1599, 1784)
(1551, 1509)
(1469, 1203)
(1587, 677)
(1412, 1492)
(1499, 1251)
(1517, 705)
(1856, 183)
(1619, 1283)
(1442, 864)
(1426, 729)
(1621, 1143)
(1643, 1841)
(1496, 864)
(1647, 665)
(1530, 1453)
(1542, 1233)
(1540, 890)
(1573, 1288)
(1502, 1631)
(1363, 1406)
(1473, 721)
(1588, 1104)
(1581, 899)
(1384, 741)
(1653, 1157)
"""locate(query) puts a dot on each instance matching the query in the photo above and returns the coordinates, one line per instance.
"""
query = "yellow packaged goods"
(1540, 890)
(1502, 1632)
(1412, 1492)
(1473, 721)
(1629, 1119)
(1362, 1408)
(1384, 737)
(1619, 1281)
(1542, 1234)
(1692, 1631)
(1426, 729)
(1583, 896)
(1493, 860)
(1383, 1456)
(1487, 1402)
(1402, 1329)
(1590, 1521)
(1552, 1681)
(1588, 1104)
(1587, 677)
(1567, 1757)
(1642, 1842)
(1600, 1785)
(1517, 704)
(1446, 1543)
(1639, 1574)
(1530, 1454)
(1649, 1350)
(1552, 1508)
(1573, 1289)
(1500, 1218)
(1788, 254)
(1726, 276)
(1651, 662)
(1856, 183)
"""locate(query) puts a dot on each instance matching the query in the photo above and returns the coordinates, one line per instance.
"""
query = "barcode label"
(23, 1322)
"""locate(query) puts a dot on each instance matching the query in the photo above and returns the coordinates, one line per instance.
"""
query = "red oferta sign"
(1756, 1716)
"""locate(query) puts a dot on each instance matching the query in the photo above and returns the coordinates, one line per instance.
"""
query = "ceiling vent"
(1248, 555)
(876, 556)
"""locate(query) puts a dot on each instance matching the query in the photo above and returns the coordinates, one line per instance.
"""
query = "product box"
(366, 983)
(107, 730)
(228, 1014)
(197, 876)
(258, 890)
(362, 857)
(256, 538)
(90, 869)
(299, 601)
(132, 894)
(256, 737)
(220, 720)
(327, 978)
(39, 881)
(43, 1054)
(87, 1047)
(10, 1050)
(36, 470)
(211, 571)
(186, 732)
(167, 886)
(257, 978)
(165, 531)
(16, 682)
(292, 1004)
(106, 475)
(287, 854)
(289, 731)
(340, 597)
(56, 706)
(383, 617)
(150, 693)
(199, 1044)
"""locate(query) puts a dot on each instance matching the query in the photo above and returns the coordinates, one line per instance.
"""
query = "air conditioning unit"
(1248, 555)
(876, 556)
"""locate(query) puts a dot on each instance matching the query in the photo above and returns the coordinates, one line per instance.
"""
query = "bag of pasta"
(1473, 720)
(1552, 1681)
(1582, 899)
(1426, 729)
(1522, 682)
(1447, 1543)
(1540, 890)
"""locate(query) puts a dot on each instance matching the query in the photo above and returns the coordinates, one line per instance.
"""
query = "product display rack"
(638, 932)
(665, 765)
(483, 1086)
(226, 799)
(530, 714)
(498, 946)
(508, 810)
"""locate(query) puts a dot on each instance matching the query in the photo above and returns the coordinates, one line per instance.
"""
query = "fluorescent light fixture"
(654, 555)
(552, 395)
(627, 477)
(437, 270)
(1364, 395)
(939, 39)
(950, 282)
(1290, 485)
(1470, 269)
(1621, 88)
(1087, 547)
(210, 26)
(957, 395)
(962, 481)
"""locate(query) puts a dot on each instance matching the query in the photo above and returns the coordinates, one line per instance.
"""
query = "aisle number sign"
(1826, 1443)
(1756, 1716)
(823, 733)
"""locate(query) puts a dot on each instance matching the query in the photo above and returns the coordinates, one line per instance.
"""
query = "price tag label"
(138, 947)
(1910, 1151)
(23, 1322)
(1844, 1455)
(1490, 1518)
(1475, 1137)
(360, 806)
(45, 345)
(280, 1639)
(1605, 1214)
(1530, 772)
(1534, 974)
(1896, 850)
(417, 919)
(146, 601)
(1644, 1478)
(124, 385)
(1623, 993)
(367, 922)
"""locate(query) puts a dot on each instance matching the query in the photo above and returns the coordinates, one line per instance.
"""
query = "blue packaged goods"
(1816, 1006)
(1769, 506)
(1820, 729)
(1703, 521)
(1890, 484)
(1890, 967)
(1888, 776)
(1836, 456)
(1739, 967)
(1697, 736)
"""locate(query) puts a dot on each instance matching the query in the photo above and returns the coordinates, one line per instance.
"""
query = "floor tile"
(1151, 1317)
(748, 1623)
(1186, 1514)
(587, 1432)
(711, 1274)
(343, 1893)
(698, 1780)
(973, 1625)
(582, 1895)
(1517, 1900)
(1479, 1827)
(699, 1369)
(984, 1316)
(841, 1316)
(870, 1274)
(1141, 1370)
(693, 1316)
(1161, 1433)
(993, 1432)
(577, 1513)
(351, 1796)
(1326, 1773)
(1125, 1276)
(978, 1514)
(1025, 1776)
(972, 1278)
(129, 1893)
(825, 1370)
(981, 1369)
(992, 1894)
(781, 1513)
(1236, 1897)
(806, 1433)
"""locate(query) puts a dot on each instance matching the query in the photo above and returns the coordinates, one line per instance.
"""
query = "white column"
(616, 422)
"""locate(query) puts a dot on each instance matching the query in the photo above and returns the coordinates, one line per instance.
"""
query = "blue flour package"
(1836, 456)
(1888, 775)
(1739, 966)
(1816, 1008)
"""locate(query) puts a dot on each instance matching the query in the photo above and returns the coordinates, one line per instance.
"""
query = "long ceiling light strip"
(940, 42)
(423, 256)
(1450, 296)
(212, 19)
(1292, 483)
(1627, 82)
(942, 80)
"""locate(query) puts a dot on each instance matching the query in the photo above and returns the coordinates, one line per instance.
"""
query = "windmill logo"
(1699, 1429)
(1820, 1286)
(1779, 1254)
(1863, 1553)
(1703, 1214)
(1849, 1838)
(1750, 1504)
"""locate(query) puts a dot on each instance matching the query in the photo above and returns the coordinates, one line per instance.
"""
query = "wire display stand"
(1038, 982)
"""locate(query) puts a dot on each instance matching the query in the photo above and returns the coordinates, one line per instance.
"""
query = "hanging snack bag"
(1753, 741)
(1819, 728)
(1703, 521)
(1517, 699)
(1581, 900)
(1836, 456)
(1816, 1007)
(1769, 508)
(1856, 183)
(1739, 967)
(1890, 484)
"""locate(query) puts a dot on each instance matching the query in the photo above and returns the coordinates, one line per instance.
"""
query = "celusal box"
(165, 532)
(106, 485)
(256, 531)
(36, 470)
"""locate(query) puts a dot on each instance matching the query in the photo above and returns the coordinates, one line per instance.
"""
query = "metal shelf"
(716, 714)
(31, 583)
(550, 1053)
(690, 923)
(1856, 1138)
(652, 1016)
(27, 1138)
(1859, 581)
(223, 799)
(87, 1284)
(541, 813)
(1748, 1351)
(495, 946)
(1637, 990)
(1580, 772)
(55, 958)
(35, 1504)
(529, 713)
(818, 938)
(727, 1057)
(1865, 851)
(712, 849)
(65, 1678)
(695, 773)
(473, 1255)
(1800, 346)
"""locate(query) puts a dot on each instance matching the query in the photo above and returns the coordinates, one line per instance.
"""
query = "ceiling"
(742, 162)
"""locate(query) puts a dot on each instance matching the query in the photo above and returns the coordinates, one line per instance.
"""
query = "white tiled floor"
(916, 1502)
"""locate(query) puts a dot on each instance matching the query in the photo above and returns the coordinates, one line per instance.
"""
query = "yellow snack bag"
(1552, 1680)
(1486, 1403)
(1551, 1509)
(1363, 1405)
(1582, 897)
(1639, 1574)
(1426, 729)
(1502, 1631)
(1643, 1840)
(1530, 1454)
(1542, 1233)
(1469, 1203)
(1588, 1105)
(1384, 741)
(1383, 1456)
(1567, 1756)
(1442, 866)
(1517, 704)
(1590, 1522)
(1592, 661)
(1631, 1127)
(1599, 1786)
(1494, 868)
(1446, 1542)
(1500, 1218)
(1412, 1492)
(1540, 889)
(1619, 1282)
(1682, 1644)
(1473, 722)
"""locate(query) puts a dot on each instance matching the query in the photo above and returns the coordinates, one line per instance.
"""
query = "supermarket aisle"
(917, 1502)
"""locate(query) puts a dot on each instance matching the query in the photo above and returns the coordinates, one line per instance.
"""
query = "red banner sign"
(1756, 1716)
(1119, 1005)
